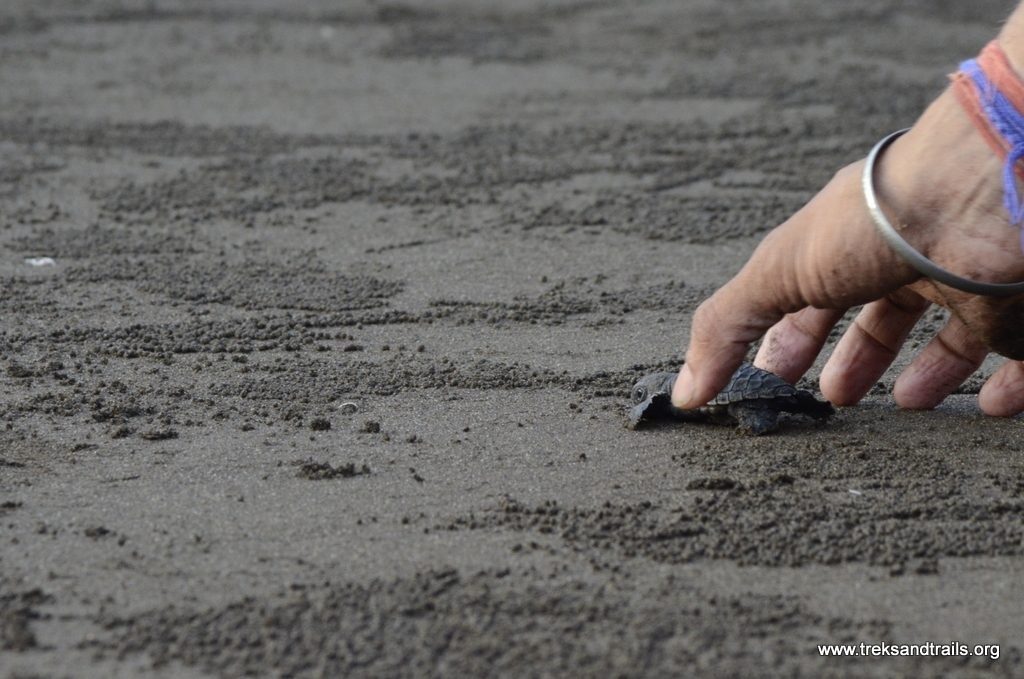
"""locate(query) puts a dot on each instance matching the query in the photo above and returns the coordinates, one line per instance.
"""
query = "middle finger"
(792, 344)
(869, 346)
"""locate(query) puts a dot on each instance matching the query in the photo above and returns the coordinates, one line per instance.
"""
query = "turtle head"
(651, 397)
(649, 386)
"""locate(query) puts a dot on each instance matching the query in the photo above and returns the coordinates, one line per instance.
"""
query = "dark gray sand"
(479, 223)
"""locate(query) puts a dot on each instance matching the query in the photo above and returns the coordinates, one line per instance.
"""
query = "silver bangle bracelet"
(924, 265)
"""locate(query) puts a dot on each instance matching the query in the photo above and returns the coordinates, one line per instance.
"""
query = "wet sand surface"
(479, 223)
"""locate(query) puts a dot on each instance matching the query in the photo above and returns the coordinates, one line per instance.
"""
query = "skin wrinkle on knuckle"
(775, 277)
(809, 327)
(818, 282)
(958, 355)
(942, 366)
(705, 346)
(703, 325)
(888, 321)
(821, 275)
(796, 321)
(722, 321)
(868, 336)
(903, 303)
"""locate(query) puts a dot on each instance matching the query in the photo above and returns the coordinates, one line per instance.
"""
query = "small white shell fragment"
(348, 407)
(40, 261)
(855, 492)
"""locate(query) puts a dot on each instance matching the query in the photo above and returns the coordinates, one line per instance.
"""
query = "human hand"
(941, 185)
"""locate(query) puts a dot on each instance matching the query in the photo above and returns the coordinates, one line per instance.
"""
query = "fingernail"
(682, 392)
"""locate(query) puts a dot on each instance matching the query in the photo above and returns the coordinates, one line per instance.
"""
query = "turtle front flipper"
(654, 407)
(754, 418)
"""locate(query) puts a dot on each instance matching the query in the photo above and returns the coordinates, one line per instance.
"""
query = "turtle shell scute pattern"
(749, 384)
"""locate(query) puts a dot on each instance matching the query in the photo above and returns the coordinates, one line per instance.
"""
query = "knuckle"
(846, 174)
(703, 318)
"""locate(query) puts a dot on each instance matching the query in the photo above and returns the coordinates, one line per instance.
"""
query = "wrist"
(941, 186)
(913, 183)
(1011, 39)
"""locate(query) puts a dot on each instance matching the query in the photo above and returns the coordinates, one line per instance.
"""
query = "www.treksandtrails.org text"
(952, 649)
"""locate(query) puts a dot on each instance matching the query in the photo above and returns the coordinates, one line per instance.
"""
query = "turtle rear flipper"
(809, 406)
(754, 418)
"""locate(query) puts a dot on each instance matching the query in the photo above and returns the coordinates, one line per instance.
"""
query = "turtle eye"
(639, 394)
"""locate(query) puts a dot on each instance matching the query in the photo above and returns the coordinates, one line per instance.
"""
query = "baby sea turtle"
(753, 400)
